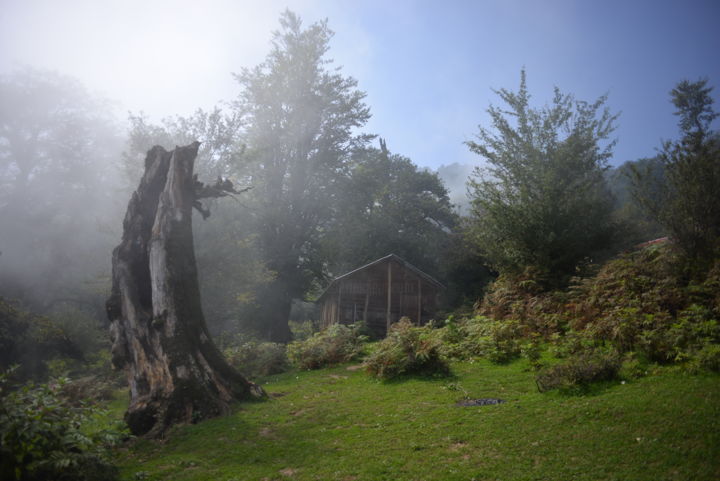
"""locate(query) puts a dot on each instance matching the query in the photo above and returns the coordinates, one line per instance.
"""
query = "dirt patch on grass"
(288, 472)
(480, 402)
(267, 433)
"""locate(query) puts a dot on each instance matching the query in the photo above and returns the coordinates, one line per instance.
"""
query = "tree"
(685, 200)
(300, 119)
(635, 224)
(542, 202)
(230, 265)
(390, 206)
(175, 371)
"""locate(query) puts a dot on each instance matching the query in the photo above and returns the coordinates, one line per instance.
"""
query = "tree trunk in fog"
(175, 371)
(276, 303)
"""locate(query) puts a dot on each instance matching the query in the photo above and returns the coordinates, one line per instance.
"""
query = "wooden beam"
(419, 295)
(367, 297)
(388, 317)
(339, 302)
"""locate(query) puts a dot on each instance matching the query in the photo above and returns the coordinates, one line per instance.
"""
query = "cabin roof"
(391, 257)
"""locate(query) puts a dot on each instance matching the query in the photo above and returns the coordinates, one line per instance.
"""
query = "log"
(175, 372)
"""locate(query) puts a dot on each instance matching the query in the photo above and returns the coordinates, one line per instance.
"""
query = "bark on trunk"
(175, 371)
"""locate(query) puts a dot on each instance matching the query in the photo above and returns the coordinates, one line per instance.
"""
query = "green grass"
(340, 424)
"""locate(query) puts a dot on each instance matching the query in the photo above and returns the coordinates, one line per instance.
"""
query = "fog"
(70, 155)
(60, 191)
(455, 177)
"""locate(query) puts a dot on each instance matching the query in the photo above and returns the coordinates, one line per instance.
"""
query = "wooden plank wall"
(364, 296)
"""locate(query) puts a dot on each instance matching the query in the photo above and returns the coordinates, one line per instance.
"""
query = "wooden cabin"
(380, 293)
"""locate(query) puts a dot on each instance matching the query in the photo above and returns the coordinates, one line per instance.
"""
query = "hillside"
(339, 424)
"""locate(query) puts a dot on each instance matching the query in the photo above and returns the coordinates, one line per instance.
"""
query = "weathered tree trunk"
(175, 371)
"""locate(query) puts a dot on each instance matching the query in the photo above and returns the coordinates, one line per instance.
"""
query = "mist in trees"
(59, 205)
(325, 196)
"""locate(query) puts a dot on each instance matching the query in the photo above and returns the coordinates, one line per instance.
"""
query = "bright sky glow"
(428, 67)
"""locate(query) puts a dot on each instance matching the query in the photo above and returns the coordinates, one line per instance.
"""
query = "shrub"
(563, 347)
(302, 330)
(336, 344)
(707, 358)
(406, 350)
(580, 370)
(254, 358)
(532, 351)
(521, 298)
(498, 341)
(44, 437)
(633, 366)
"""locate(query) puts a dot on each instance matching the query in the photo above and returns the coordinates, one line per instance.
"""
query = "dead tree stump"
(175, 371)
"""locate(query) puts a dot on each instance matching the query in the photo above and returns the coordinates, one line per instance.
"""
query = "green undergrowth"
(339, 424)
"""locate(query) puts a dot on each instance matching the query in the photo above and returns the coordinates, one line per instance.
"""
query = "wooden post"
(388, 318)
(401, 310)
(367, 297)
(339, 304)
(419, 295)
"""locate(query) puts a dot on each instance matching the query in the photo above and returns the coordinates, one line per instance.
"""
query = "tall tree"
(175, 371)
(230, 265)
(542, 201)
(300, 119)
(685, 200)
(387, 206)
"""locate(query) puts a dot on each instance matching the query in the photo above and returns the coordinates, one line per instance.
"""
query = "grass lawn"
(338, 424)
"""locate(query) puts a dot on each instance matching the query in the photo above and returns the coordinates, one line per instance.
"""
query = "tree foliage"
(300, 118)
(542, 202)
(686, 202)
(43, 436)
(388, 205)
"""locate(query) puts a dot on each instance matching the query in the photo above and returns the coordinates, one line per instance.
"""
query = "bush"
(521, 298)
(563, 347)
(334, 345)
(580, 370)
(65, 342)
(633, 366)
(302, 330)
(407, 350)
(253, 358)
(707, 358)
(44, 437)
(498, 341)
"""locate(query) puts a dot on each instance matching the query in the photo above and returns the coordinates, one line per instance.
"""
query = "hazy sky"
(428, 67)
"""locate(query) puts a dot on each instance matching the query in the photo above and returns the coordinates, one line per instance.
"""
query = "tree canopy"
(300, 119)
(541, 202)
(388, 205)
(685, 201)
